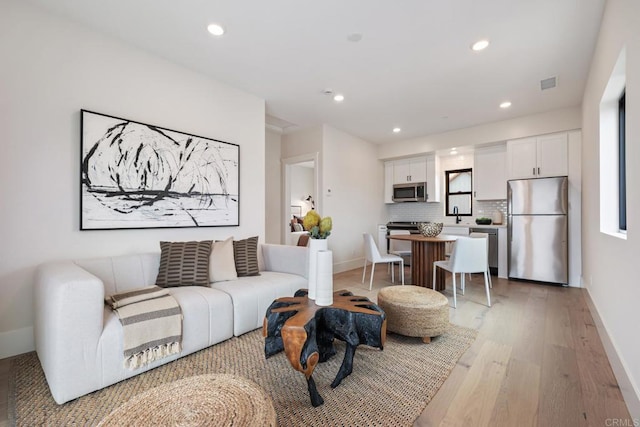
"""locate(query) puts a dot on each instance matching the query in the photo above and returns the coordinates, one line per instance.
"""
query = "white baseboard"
(629, 393)
(348, 265)
(16, 342)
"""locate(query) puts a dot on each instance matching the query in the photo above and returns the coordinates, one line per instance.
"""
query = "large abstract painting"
(135, 175)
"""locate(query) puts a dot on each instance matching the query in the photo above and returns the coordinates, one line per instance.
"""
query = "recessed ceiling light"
(453, 151)
(396, 130)
(215, 29)
(480, 45)
(505, 104)
(338, 98)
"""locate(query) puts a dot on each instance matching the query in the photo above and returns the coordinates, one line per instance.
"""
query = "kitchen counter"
(473, 225)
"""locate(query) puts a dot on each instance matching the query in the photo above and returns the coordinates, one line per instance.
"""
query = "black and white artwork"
(135, 175)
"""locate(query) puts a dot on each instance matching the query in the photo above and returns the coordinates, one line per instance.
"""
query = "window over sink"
(458, 190)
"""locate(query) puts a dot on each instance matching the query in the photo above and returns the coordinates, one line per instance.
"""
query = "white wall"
(352, 195)
(609, 269)
(51, 68)
(536, 124)
(273, 187)
(303, 141)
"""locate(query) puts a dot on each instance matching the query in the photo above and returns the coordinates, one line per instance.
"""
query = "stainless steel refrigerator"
(538, 229)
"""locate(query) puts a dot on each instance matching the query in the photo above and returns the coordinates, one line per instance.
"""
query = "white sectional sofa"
(79, 338)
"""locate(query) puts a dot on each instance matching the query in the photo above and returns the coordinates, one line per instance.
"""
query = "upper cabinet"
(410, 170)
(490, 173)
(433, 178)
(388, 181)
(414, 169)
(538, 157)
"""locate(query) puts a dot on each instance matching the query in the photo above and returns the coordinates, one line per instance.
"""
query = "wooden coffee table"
(305, 331)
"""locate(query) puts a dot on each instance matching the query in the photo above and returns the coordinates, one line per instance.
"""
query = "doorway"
(301, 190)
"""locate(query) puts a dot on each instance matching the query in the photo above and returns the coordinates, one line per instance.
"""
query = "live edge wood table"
(305, 331)
(424, 251)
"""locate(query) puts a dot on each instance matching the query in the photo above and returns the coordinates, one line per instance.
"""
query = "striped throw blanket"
(151, 324)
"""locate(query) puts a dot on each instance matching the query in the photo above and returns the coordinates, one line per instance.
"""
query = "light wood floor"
(538, 359)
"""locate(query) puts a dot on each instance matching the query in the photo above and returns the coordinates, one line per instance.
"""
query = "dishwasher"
(493, 246)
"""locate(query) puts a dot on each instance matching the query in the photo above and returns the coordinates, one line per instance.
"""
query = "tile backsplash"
(434, 212)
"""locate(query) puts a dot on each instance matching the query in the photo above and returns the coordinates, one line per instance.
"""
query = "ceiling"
(413, 67)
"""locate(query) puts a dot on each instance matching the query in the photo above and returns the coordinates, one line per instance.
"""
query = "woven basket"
(430, 229)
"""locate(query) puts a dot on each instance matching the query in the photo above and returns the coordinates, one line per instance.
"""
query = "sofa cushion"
(245, 253)
(207, 320)
(208, 316)
(184, 264)
(125, 272)
(252, 296)
(222, 263)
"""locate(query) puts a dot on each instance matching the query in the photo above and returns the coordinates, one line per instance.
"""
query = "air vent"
(549, 83)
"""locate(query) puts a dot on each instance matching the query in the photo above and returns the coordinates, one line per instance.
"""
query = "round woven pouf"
(414, 311)
(203, 400)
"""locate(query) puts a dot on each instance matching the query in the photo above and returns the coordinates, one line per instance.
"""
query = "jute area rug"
(387, 388)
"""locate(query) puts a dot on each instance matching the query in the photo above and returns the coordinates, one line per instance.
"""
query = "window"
(613, 188)
(622, 173)
(459, 187)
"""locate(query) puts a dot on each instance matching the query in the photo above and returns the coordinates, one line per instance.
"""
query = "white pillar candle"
(324, 282)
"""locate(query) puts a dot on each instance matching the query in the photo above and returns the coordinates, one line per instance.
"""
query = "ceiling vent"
(549, 83)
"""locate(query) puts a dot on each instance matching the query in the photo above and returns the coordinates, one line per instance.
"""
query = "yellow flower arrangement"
(318, 228)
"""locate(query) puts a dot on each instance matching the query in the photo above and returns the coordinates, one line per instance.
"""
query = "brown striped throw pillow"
(245, 253)
(184, 264)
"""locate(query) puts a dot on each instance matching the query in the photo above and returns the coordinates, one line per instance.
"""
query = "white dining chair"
(372, 255)
(469, 255)
(478, 235)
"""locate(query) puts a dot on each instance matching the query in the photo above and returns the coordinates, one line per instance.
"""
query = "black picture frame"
(135, 175)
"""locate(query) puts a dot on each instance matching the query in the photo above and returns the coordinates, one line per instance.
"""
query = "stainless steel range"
(385, 230)
(402, 248)
(402, 225)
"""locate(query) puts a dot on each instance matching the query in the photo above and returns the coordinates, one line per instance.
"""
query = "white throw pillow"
(222, 265)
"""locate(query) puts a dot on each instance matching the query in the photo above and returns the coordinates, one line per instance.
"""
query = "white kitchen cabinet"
(538, 157)
(490, 173)
(410, 170)
(521, 158)
(414, 169)
(433, 178)
(553, 155)
(388, 181)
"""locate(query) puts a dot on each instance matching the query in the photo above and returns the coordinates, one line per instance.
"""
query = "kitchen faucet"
(455, 212)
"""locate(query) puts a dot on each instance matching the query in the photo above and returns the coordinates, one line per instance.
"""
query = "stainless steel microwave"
(410, 192)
